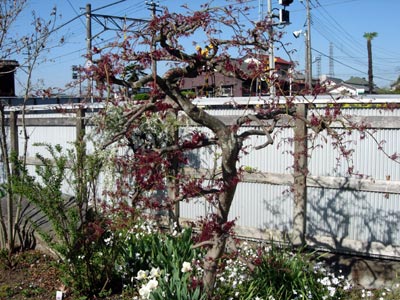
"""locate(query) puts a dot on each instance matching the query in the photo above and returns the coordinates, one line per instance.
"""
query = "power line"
(335, 33)
(348, 66)
(332, 30)
(68, 22)
(108, 5)
(73, 8)
(343, 33)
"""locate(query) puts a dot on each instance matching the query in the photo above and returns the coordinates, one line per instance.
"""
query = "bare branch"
(172, 148)
(201, 193)
(266, 130)
(202, 244)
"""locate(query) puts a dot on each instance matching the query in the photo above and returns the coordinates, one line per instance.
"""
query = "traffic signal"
(75, 72)
(284, 16)
(285, 2)
(283, 13)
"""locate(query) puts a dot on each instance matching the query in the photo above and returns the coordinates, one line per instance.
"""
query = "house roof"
(8, 63)
(343, 86)
(250, 65)
(282, 61)
(330, 80)
(278, 60)
(357, 81)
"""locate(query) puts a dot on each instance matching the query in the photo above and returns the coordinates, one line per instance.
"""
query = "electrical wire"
(73, 8)
(69, 22)
(351, 40)
(331, 30)
(328, 27)
(348, 66)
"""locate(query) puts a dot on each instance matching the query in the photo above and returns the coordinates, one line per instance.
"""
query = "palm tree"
(369, 36)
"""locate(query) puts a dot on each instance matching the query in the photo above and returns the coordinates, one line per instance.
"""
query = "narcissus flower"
(186, 267)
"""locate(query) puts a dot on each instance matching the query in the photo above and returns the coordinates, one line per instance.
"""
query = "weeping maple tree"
(146, 129)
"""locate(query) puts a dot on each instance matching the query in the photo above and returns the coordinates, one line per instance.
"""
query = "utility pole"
(107, 22)
(260, 17)
(89, 57)
(271, 52)
(308, 54)
(318, 60)
(153, 8)
(331, 70)
(283, 20)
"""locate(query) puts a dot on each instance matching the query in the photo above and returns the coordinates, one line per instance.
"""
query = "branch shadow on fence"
(339, 219)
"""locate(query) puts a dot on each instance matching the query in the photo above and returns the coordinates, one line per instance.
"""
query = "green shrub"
(141, 96)
(189, 94)
(78, 233)
(279, 274)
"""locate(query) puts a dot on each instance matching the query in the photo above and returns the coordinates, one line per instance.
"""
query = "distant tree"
(370, 36)
(396, 85)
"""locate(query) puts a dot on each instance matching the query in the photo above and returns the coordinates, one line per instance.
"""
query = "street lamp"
(308, 67)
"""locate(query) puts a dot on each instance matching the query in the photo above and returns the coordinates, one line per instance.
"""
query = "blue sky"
(340, 23)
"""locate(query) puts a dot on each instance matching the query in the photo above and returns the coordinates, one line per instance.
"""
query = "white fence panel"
(339, 219)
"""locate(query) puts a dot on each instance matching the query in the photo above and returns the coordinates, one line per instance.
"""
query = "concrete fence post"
(300, 177)
(13, 117)
(80, 124)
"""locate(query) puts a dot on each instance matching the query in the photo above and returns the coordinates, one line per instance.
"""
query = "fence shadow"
(31, 223)
(355, 227)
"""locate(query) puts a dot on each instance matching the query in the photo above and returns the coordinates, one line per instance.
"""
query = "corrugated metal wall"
(262, 206)
(62, 135)
(338, 215)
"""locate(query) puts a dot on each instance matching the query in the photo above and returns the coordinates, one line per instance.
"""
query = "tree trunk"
(211, 263)
(230, 149)
(6, 235)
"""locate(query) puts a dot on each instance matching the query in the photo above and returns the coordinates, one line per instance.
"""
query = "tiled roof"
(357, 81)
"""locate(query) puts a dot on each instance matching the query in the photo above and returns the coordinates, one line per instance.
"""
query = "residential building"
(216, 84)
(7, 83)
(353, 86)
